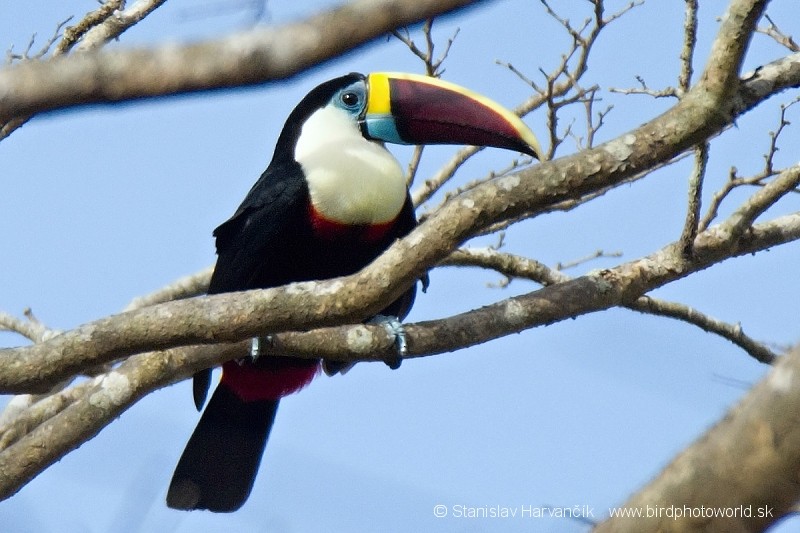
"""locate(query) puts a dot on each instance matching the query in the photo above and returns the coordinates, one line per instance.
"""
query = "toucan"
(331, 200)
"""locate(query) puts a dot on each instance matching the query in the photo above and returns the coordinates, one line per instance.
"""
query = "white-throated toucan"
(331, 200)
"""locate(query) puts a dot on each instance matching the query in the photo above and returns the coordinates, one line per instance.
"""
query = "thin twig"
(768, 171)
(74, 33)
(742, 219)
(731, 332)
(781, 38)
(690, 225)
(689, 44)
(597, 254)
(643, 89)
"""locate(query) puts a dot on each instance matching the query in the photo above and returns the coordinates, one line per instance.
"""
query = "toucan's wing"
(257, 230)
(245, 241)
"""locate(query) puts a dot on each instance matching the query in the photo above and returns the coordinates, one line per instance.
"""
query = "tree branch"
(185, 287)
(248, 58)
(742, 218)
(75, 33)
(513, 266)
(731, 332)
(209, 319)
(692, 220)
(749, 459)
(140, 374)
(114, 25)
(94, 30)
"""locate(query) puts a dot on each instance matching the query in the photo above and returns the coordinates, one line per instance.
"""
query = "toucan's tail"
(218, 466)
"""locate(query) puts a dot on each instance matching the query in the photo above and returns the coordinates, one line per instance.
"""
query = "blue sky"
(103, 204)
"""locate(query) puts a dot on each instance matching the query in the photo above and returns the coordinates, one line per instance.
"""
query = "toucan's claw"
(257, 345)
(395, 328)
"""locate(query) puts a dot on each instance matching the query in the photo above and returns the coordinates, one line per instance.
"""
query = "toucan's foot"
(257, 346)
(395, 328)
(331, 368)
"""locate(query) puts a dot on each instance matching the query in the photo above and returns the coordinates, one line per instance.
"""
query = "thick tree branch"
(766, 81)
(105, 399)
(235, 316)
(255, 56)
(749, 459)
(140, 374)
(94, 30)
(739, 22)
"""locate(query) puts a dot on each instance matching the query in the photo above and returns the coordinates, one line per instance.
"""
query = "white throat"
(351, 180)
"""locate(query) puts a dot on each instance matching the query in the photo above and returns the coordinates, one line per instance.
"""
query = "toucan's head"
(336, 134)
(413, 109)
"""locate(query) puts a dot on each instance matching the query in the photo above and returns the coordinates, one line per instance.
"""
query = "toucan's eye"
(351, 99)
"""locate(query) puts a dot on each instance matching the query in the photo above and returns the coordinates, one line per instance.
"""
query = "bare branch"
(143, 373)
(18, 422)
(93, 31)
(104, 400)
(734, 181)
(643, 89)
(114, 25)
(186, 287)
(510, 265)
(689, 44)
(767, 80)
(32, 328)
(732, 332)
(764, 429)
(769, 157)
(252, 57)
(25, 328)
(413, 164)
(583, 260)
(742, 219)
(432, 66)
(436, 182)
(514, 165)
(579, 52)
(572, 203)
(721, 74)
(781, 38)
(513, 266)
(614, 16)
(74, 33)
(593, 125)
(731, 184)
(690, 225)
(205, 320)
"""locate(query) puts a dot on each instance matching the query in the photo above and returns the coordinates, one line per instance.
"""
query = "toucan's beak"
(414, 109)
